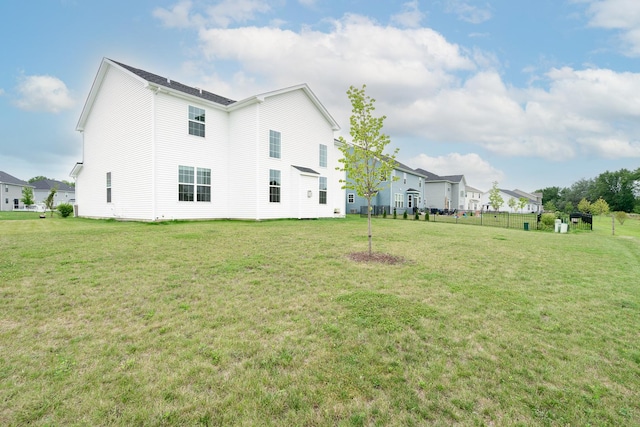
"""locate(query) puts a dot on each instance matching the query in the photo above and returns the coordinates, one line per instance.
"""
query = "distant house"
(533, 205)
(404, 191)
(444, 193)
(65, 193)
(473, 199)
(156, 149)
(11, 192)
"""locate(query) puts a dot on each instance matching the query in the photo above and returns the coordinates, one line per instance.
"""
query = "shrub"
(416, 215)
(404, 215)
(384, 212)
(65, 209)
(621, 216)
(547, 221)
(395, 213)
(426, 216)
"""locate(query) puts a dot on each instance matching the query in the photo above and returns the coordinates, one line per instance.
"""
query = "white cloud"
(43, 93)
(431, 89)
(1, 91)
(222, 14)
(621, 15)
(410, 17)
(477, 171)
(467, 12)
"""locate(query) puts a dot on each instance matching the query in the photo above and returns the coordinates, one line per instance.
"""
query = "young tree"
(364, 159)
(522, 202)
(600, 207)
(27, 196)
(49, 201)
(512, 204)
(495, 199)
(584, 206)
(550, 207)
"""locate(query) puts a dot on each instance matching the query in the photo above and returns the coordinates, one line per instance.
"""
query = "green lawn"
(270, 323)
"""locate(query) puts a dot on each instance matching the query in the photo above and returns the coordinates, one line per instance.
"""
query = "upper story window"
(108, 187)
(274, 144)
(404, 177)
(323, 156)
(351, 197)
(322, 187)
(419, 182)
(196, 121)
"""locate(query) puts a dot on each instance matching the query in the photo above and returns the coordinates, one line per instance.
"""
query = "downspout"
(153, 154)
(258, 178)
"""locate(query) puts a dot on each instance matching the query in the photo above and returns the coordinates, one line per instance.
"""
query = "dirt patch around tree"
(376, 257)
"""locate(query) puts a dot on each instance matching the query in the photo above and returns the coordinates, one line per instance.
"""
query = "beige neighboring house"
(11, 192)
(42, 188)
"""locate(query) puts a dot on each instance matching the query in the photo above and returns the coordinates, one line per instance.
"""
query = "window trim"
(351, 198)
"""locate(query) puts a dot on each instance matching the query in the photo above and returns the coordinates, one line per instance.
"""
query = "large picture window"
(322, 187)
(196, 121)
(274, 186)
(274, 144)
(194, 184)
(323, 156)
(108, 187)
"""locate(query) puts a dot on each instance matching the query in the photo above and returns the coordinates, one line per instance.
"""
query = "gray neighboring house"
(42, 188)
(11, 192)
(445, 193)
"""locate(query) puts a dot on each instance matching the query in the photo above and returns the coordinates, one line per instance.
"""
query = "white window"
(204, 185)
(399, 200)
(404, 177)
(419, 182)
(323, 156)
(274, 186)
(196, 121)
(322, 190)
(108, 187)
(351, 198)
(274, 144)
(185, 183)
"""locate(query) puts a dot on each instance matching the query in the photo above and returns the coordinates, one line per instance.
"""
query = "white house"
(64, 194)
(156, 149)
(473, 199)
(11, 192)
(533, 203)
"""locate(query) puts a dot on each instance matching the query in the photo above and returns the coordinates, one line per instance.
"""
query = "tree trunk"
(369, 224)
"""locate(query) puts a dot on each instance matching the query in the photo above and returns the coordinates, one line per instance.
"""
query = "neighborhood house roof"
(5, 178)
(48, 184)
(305, 170)
(172, 84)
(515, 195)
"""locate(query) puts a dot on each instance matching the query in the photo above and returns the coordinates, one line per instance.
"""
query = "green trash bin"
(526, 226)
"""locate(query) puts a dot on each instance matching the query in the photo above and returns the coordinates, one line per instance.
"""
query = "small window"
(322, 190)
(404, 178)
(274, 144)
(196, 121)
(323, 156)
(185, 183)
(419, 182)
(108, 187)
(274, 186)
(204, 185)
(351, 198)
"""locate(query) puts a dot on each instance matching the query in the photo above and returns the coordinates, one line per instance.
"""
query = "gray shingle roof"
(5, 178)
(163, 81)
(48, 184)
(306, 170)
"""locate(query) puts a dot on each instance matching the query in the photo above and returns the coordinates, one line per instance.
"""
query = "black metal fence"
(379, 211)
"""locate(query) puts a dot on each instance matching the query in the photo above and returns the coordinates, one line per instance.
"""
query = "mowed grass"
(270, 323)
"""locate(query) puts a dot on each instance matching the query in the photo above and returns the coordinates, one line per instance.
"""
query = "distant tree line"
(609, 192)
(41, 178)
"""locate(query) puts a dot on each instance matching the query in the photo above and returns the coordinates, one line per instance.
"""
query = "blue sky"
(527, 93)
